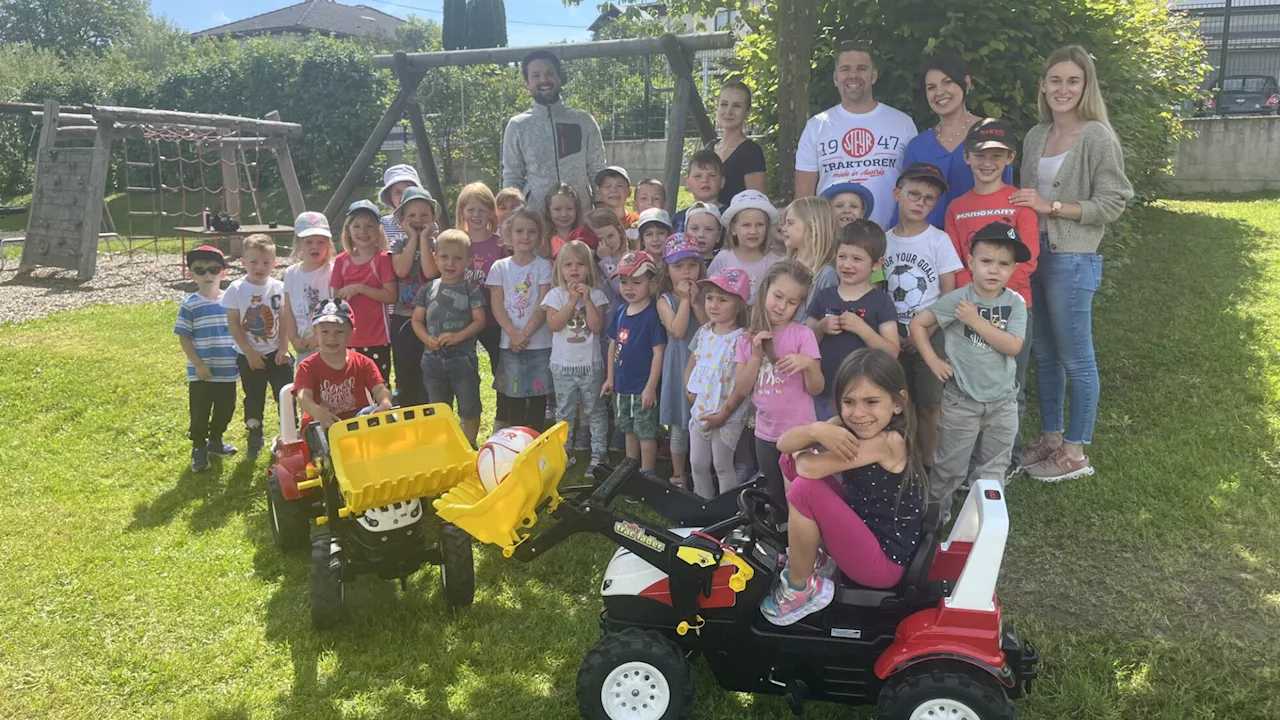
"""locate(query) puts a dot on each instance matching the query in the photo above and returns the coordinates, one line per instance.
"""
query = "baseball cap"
(332, 310)
(415, 193)
(748, 200)
(923, 171)
(397, 174)
(636, 263)
(653, 215)
(989, 133)
(587, 236)
(868, 200)
(1005, 234)
(363, 206)
(206, 252)
(612, 170)
(702, 208)
(311, 223)
(733, 281)
(680, 246)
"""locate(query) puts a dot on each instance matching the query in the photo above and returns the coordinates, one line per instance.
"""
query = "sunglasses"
(206, 270)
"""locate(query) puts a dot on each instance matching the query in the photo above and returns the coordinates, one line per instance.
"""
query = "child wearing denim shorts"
(448, 314)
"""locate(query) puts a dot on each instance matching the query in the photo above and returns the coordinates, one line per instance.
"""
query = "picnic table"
(229, 242)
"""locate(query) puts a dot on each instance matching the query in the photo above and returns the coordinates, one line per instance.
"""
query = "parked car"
(1244, 94)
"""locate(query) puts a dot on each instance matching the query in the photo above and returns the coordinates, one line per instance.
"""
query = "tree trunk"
(797, 22)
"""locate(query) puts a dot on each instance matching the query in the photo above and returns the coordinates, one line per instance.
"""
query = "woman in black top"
(742, 157)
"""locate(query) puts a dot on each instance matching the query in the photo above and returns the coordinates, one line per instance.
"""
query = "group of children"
(749, 333)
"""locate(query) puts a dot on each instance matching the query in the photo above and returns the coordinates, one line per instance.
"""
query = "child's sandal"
(679, 481)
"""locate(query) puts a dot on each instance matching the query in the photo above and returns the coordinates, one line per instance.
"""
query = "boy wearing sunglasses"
(211, 357)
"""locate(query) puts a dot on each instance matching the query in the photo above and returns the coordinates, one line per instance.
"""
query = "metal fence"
(1243, 42)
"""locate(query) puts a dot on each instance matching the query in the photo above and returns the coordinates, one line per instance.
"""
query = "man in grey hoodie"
(549, 143)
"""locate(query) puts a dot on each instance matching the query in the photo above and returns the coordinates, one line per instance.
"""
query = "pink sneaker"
(1058, 467)
(785, 605)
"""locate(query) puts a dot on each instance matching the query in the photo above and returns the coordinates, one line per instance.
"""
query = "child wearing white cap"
(306, 281)
(750, 218)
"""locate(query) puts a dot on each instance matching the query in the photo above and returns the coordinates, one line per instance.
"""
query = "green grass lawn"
(134, 589)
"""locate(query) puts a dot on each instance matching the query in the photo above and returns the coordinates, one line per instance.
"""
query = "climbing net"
(174, 173)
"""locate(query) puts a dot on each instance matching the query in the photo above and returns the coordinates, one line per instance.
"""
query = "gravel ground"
(119, 281)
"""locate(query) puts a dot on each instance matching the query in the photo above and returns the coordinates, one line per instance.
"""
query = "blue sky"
(209, 13)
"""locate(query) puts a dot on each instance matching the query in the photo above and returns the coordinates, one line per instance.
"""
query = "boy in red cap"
(637, 341)
(337, 383)
(211, 357)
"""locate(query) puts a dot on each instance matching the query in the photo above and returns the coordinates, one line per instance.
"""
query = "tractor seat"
(915, 582)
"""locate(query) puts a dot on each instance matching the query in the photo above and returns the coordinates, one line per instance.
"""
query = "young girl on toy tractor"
(856, 495)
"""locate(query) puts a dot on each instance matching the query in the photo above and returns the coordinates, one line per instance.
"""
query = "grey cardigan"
(1092, 174)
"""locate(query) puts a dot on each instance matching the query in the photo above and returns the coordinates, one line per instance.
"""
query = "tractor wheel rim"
(275, 518)
(944, 709)
(635, 690)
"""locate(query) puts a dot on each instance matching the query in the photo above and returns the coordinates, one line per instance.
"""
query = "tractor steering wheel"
(756, 505)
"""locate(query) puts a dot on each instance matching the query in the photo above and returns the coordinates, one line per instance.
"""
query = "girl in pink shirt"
(363, 276)
(779, 357)
(477, 216)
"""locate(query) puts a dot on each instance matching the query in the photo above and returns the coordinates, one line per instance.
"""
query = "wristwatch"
(1056, 209)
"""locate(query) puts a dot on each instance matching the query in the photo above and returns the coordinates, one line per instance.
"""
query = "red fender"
(944, 633)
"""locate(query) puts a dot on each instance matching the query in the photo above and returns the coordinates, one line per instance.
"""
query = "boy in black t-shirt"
(853, 314)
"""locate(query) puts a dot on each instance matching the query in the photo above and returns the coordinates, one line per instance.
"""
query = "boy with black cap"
(983, 325)
(336, 383)
(211, 357)
(989, 149)
(920, 265)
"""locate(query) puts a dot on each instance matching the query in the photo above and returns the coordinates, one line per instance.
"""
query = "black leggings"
(213, 404)
(767, 455)
(490, 337)
(381, 356)
(406, 355)
(530, 412)
(255, 384)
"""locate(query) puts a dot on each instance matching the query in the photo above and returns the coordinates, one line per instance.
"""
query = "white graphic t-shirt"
(259, 307)
(864, 148)
(305, 291)
(519, 285)
(575, 346)
(913, 267)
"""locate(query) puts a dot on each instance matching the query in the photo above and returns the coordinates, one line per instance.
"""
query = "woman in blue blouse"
(946, 86)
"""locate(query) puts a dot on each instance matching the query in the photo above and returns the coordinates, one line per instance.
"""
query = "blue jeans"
(1062, 291)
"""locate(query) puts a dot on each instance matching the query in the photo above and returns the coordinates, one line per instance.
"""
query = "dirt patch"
(118, 281)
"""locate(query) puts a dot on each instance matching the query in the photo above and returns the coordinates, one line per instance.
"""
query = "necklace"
(947, 141)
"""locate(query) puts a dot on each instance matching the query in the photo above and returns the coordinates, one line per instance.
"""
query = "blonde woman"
(1073, 177)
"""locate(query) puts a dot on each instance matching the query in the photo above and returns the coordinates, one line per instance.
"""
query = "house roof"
(323, 16)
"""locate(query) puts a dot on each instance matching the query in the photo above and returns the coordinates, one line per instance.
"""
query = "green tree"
(455, 24)
(70, 27)
(486, 24)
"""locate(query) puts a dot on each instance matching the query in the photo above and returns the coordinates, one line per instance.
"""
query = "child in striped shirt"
(211, 357)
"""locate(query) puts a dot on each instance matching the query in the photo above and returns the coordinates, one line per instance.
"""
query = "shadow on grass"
(231, 486)
(1147, 584)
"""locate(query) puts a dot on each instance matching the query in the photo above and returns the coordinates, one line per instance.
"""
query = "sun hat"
(612, 170)
(397, 174)
(868, 200)
(748, 200)
(636, 263)
(925, 172)
(332, 310)
(702, 208)
(206, 252)
(680, 246)
(989, 133)
(415, 193)
(654, 215)
(311, 223)
(733, 281)
(1006, 234)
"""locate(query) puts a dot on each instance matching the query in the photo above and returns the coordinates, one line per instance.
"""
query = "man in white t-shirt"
(859, 140)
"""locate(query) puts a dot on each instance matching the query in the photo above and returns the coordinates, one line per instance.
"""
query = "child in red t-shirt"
(337, 383)
(989, 148)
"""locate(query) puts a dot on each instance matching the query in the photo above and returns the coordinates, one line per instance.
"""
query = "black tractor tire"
(632, 645)
(290, 520)
(946, 684)
(327, 591)
(457, 567)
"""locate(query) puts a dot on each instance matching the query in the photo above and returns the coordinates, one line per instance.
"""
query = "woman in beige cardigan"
(1073, 176)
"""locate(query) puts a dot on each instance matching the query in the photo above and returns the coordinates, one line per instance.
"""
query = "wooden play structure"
(410, 69)
(67, 217)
